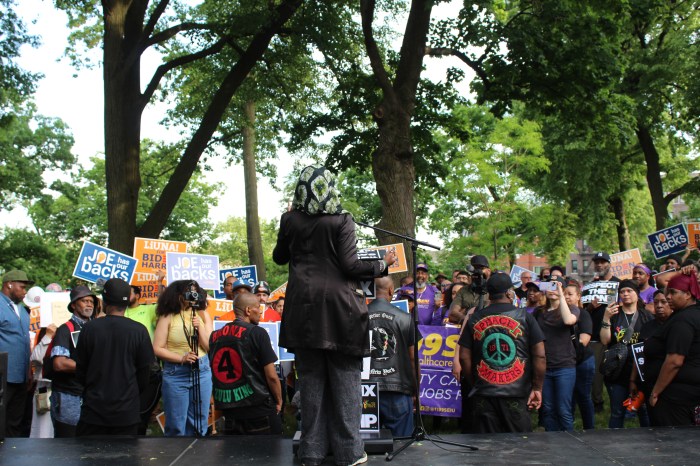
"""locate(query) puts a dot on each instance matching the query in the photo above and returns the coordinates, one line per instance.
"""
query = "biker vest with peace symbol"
(501, 353)
(237, 382)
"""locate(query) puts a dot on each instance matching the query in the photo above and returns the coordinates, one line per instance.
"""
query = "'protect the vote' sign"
(370, 407)
(203, 269)
(668, 241)
(96, 263)
(604, 292)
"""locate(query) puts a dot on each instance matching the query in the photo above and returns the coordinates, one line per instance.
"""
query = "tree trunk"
(651, 156)
(255, 252)
(123, 23)
(623, 232)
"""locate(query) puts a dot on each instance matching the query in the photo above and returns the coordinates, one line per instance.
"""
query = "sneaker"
(362, 460)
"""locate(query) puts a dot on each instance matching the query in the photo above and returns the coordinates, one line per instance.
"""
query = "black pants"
(15, 399)
(149, 399)
(63, 430)
(86, 430)
(495, 415)
(265, 425)
(672, 413)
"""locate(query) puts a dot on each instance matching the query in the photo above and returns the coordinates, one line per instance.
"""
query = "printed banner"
(440, 394)
(273, 329)
(515, 273)
(370, 407)
(397, 267)
(201, 268)
(606, 292)
(248, 274)
(35, 319)
(54, 309)
(437, 348)
(668, 241)
(694, 235)
(622, 263)
(638, 354)
(401, 304)
(151, 256)
(368, 289)
(97, 263)
(218, 308)
(278, 293)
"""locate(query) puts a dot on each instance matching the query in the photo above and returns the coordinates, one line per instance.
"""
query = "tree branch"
(474, 65)
(180, 61)
(375, 59)
(172, 31)
(692, 186)
(153, 20)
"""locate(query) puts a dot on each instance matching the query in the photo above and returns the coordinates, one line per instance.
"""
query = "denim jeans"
(618, 394)
(582, 392)
(331, 405)
(557, 392)
(396, 413)
(178, 398)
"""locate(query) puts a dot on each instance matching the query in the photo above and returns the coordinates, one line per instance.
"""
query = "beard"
(420, 283)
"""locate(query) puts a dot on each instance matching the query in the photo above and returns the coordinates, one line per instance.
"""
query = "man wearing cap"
(14, 340)
(603, 272)
(66, 394)
(427, 299)
(502, 354)
(468, 296)
(262, 291)
(112, 363)
(233, 287)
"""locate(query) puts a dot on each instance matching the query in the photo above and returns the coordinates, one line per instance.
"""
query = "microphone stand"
(419, 434)
(194, 374)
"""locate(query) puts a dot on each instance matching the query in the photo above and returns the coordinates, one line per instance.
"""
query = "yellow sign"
(151, 256)
(622, 263)
(217, 308)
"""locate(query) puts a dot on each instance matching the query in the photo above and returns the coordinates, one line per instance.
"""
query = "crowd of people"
(534, 346)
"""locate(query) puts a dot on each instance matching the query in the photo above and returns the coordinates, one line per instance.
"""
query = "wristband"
(605, 324)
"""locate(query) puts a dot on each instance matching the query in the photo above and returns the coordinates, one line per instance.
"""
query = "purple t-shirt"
(648, 295)
(425, 302)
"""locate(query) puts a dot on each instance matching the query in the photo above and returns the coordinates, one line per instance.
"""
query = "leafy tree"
(30, 144)
(126, 29)
(78, 212)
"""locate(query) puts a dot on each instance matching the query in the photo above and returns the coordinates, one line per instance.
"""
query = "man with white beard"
(428, 298)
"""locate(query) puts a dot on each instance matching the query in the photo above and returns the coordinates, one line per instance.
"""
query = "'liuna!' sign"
(668, 241)
(202, 268)
(97, 263)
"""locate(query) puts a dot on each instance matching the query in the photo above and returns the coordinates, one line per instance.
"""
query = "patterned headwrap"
(687, 283)
(316, 192)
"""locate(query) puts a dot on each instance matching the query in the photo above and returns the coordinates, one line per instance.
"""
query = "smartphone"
(548, 286)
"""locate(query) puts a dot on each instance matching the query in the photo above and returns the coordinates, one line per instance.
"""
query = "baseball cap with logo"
(261, 287)
(601, 256)
(422, 265)
(239, 284)
(117, 292)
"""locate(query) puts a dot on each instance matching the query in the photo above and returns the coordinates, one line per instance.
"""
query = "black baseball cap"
(117, 292)
(499, 283)
(601, 256)
(479, 261)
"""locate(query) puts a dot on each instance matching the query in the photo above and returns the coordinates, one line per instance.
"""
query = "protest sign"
(370, 407)
(377, 252)
(54, 309)
(694, 235)
(440, 393)
(35, 318)
(201, 268)
(622, 263)
(151, 256)
(97, 263)
(368, 289)
(401, 304)
(638, 354)
(218, 308)
(668, 241)
(515, 273)
(248, 274)
(606, 292)
(278, 293)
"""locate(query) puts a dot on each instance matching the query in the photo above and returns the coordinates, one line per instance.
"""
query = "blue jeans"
(618, 394)
(396, 413)
(582, 392)
(178, 398)
(557, 392)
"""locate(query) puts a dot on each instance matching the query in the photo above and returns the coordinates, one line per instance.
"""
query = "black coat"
(324, 306)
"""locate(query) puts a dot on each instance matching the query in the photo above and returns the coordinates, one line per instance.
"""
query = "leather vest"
(501, 353)
(238, 381)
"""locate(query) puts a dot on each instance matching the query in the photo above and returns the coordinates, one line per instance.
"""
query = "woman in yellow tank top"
(181, 310)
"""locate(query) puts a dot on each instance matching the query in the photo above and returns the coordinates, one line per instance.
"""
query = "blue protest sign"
(204, 269)
(668, 241)
(248, 274)
(273, 330)
(401, 304)
(96, 263)
(515, 273)
(219, 324)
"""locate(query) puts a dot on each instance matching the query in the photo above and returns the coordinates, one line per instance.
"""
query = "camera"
(193, 297)
(478, 281)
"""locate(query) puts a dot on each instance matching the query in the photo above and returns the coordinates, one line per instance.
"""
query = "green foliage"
(79, 211)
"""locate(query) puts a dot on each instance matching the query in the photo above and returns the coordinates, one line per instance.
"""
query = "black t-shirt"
(65, 381)
(260, 345)
(520, 293)
(679, 335)
(113, 360)
(618, 326)
(585, 325)
(597, 314)
(558, 347)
